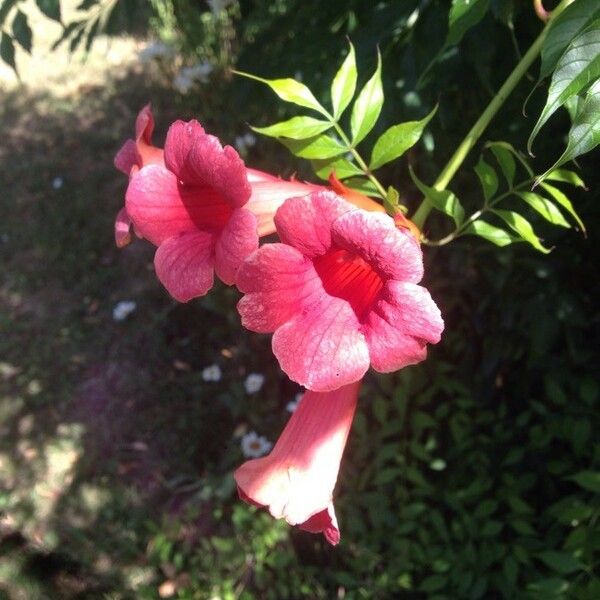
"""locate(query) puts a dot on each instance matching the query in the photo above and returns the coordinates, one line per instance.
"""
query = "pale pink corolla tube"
(296, 480)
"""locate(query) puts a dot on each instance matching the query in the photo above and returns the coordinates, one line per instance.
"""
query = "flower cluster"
(339, 292)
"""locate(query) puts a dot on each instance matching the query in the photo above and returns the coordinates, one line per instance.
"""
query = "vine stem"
(487, 115)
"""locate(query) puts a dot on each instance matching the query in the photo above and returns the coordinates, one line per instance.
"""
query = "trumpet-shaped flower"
(340, 293)
(135, 153)
(296, 480)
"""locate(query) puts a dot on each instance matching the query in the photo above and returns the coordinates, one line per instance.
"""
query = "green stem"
(488, 114)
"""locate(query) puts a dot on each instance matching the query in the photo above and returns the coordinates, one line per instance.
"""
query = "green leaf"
(560, 197)
(340, 166)
(21, 31)
(433, 583)
(521, 226)
(343, 85)
(320, 146)
(488, 179)
(561, 562)
(397, 140)
(362, 185)
(7, 51)
(290, 90)
(549, 588)
(367, 106)
(443, 200)
(51, 8)
(575, 18)
(463, 15)
(584, 135)
(566, 176)
(589, 480)
(506, 161)
(297, 128)
(544, 207)
(491, 233)
(577, 68)
(5, 9)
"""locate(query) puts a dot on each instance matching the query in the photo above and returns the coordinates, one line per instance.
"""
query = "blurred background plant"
(473, 475)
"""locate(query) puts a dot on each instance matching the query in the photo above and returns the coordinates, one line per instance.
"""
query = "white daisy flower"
(123, 309)
(254, 445)
(253, 383)
(212, 373)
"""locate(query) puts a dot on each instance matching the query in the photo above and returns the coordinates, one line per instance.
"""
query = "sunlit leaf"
(584, 134)
(21, 31)
(488, 179)
(7, 50)
(463, 15)
(397, 140)
(321, 146)
(522, 227)
(577, 68)
(544, 207)
(491, 233)
(506, 161)
(566, 176)
(367, 106)
(560, 197)
(297, 128)
(510, 149)
(362, 185)
(340, 166)
(443, 200)
(344, 84)
(574, 19)
(290, 90)
(51, 8)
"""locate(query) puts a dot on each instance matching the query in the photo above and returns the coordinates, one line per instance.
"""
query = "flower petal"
(322, 347)
(296, 480)
(376, 239)
(199, 159)
(399, 326)
(185, 265)
(126, 157)
(237, 240)
(144, 124)
(277, 281)
(255, 175)
(122, 229)
(305, 223)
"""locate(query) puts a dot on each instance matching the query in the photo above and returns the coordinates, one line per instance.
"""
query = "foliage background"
(473, 475)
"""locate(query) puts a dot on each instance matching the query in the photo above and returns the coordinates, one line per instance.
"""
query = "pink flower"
(135, 153)
(296, 480)
(340, 293)
(193, 209)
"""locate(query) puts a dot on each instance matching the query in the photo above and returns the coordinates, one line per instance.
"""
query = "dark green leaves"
(464, 14)
(488, 179)
(51, 8)
(397, 140)
(344, 84)
(589, 480)
(21, 31)
(7, 50)
(367, 106)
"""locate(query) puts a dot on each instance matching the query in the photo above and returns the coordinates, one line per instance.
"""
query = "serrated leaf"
(506, 161)
(397, 140)
(443, 200)
(577, 68)
(289, 90)
(584, 134)
(560, 197)
(7, 51)
(566, 176)
(5, 9)
(544, 207)
(463, 15)
(489, 232)
(488, 179)
(561, 562)
(21, 31)
(367, 106)
(340, 166)
(522, 227)
(589, 480)
(320, 146)
(343, 85)
(563, 28)
(297, 128)
(51, 8)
